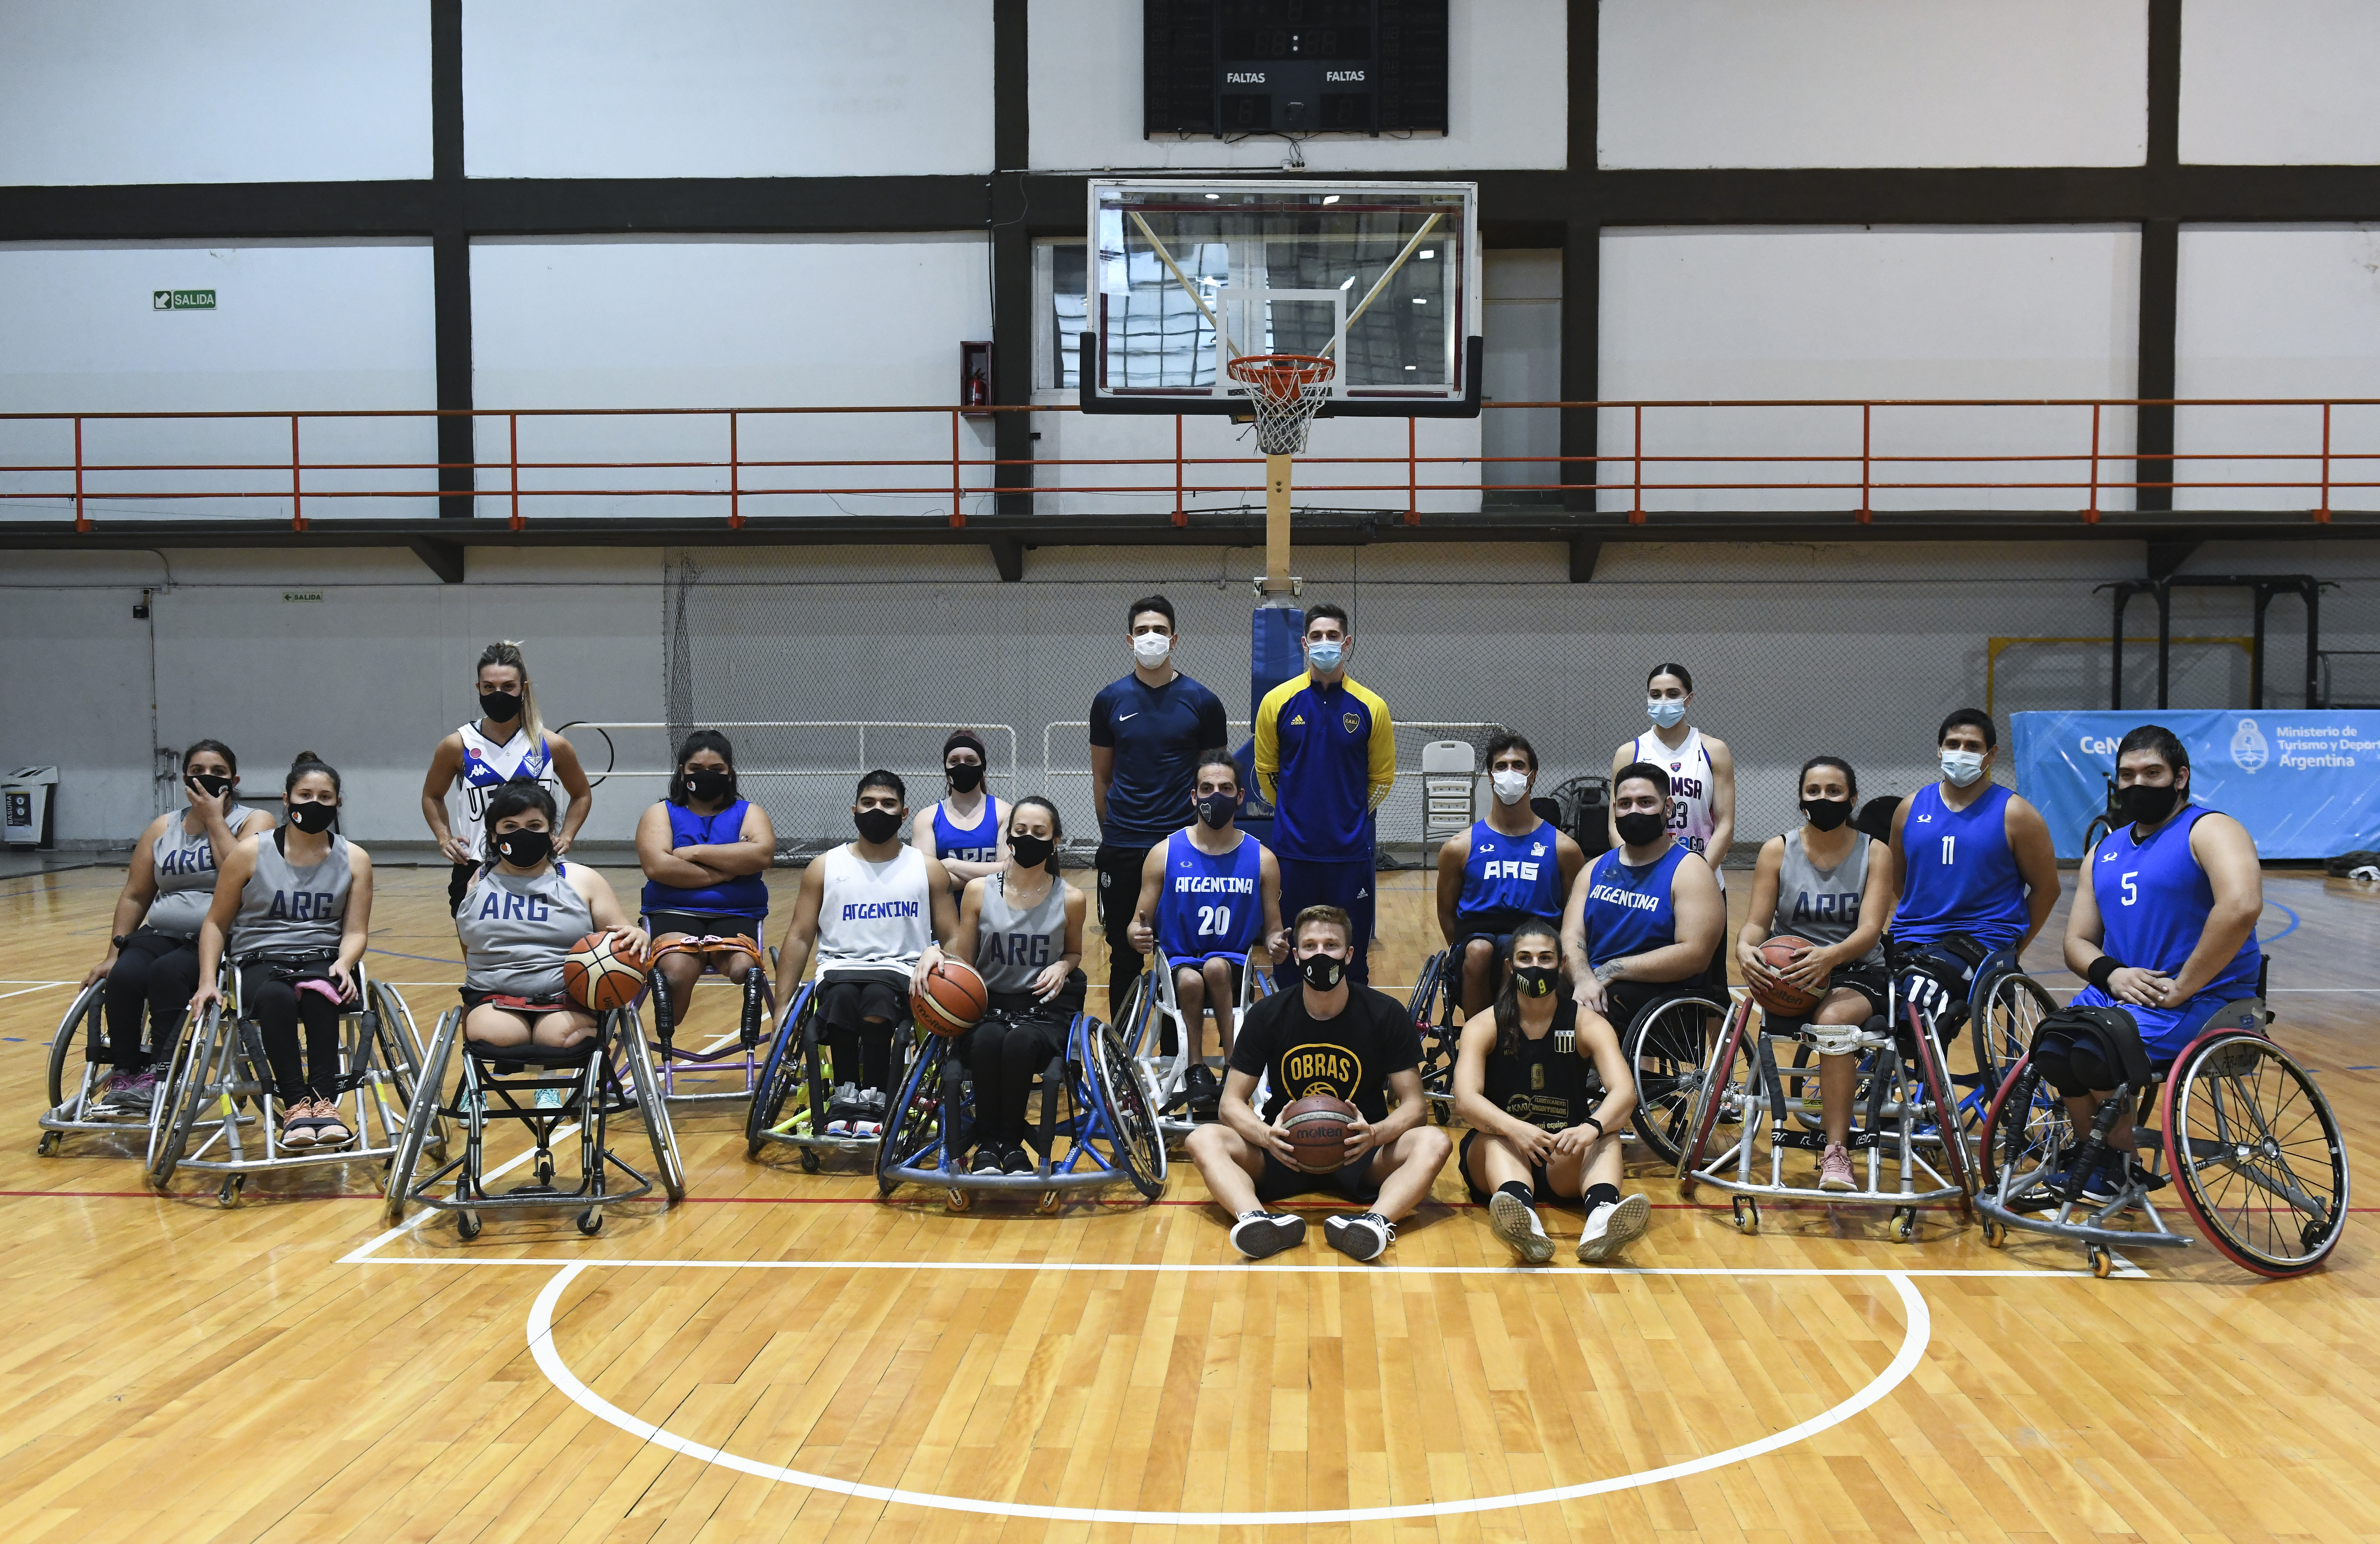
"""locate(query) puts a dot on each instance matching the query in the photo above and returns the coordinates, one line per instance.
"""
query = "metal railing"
(604, 728)
(2080, 464)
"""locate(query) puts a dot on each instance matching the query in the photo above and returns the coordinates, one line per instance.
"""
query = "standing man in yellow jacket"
(1325, 755)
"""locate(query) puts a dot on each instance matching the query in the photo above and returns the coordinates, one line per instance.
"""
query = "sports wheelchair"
(2243, 1134)
(1437, 995)
(216, 1111)
(609, 1073)
(1090, 1096)
(75, 1103)
(789, 1102)
(1151, 1018)
(744, 1046)
(1906, 1129)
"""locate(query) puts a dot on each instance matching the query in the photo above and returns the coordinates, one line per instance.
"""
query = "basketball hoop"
(1283, 390)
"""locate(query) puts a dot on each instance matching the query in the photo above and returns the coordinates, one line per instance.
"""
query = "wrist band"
(2101, 969)
(1599, 1132)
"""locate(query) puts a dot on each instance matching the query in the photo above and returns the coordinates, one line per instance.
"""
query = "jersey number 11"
(1948, 843)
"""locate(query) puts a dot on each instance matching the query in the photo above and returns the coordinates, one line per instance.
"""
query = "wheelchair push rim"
(2255, 1152)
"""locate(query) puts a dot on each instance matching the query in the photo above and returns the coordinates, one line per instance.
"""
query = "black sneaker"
(987, 1159)
(1204, 1092)
(1260, 1233)
(1018, 1159)
(1365, 1237)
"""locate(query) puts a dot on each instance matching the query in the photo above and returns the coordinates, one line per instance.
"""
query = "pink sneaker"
(1834, 1169)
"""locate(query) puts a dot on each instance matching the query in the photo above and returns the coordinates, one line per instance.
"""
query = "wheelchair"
(743, 1048)
(216, 1112)
(1150, 1018)
(2243, 1134)
(1090, 1096)
(789, 1102)
(610, 1073)
(2000, 1009)
(75, 1104)
(1437, 995)
(1907, 1139)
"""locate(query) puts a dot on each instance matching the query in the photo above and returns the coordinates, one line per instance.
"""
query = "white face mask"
(1151, 648)
(1962, 767)
(1665, 711)
(1510, 786)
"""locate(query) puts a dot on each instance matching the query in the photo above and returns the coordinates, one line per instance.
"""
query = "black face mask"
(966, 775)
(1640, 829)
(707, 784)
(2143, 804)
(877, 825)
(1826, 814)
(1322, 972)
(313, 818)
(499, 707)
(1218, 809)
(209, 784)
(525, 849)
(1032, 851)
(1534, 981)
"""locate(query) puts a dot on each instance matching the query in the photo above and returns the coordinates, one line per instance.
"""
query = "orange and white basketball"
(601, 976)
(951, 1000)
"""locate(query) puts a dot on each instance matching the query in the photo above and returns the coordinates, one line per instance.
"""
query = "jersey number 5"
(2131, 891)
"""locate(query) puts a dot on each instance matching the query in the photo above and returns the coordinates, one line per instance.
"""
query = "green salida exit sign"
(182, 300)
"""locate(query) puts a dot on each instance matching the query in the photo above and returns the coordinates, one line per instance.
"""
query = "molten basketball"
(950, 1000)
(1317, 1129)
(1784, 997)
(601, 976)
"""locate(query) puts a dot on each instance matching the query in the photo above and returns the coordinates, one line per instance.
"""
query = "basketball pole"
(1277, 476)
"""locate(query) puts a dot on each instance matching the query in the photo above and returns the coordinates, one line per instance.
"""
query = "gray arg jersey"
(185, 866)
(516, 928)
(287, 911)
(1012, 947)
(1823, 905)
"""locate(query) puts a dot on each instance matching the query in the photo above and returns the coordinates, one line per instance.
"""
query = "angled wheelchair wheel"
(2256, 1153)
(2024, 1133)
(778, 1073)
(1135, 1016)
(636, 1058)
(1137, 1147)
(185, 1094)
(1729, 1084)
(2012, 1007)
(70, 1048)
(914, 1133)
(1433, 1015)
(1934, 1078)
(1666, 1047)
(421, 1117)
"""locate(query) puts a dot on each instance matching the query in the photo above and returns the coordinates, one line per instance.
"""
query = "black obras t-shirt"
(1349, 1057)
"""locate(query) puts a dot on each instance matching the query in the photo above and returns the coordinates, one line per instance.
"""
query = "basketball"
(1784, 997)
(1317, 1129)
(601, 976)
(950, 1000)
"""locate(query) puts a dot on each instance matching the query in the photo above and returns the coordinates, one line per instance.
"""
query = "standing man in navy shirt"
(1147, 730)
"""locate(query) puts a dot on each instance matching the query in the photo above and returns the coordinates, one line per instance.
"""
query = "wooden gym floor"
(774, 1358)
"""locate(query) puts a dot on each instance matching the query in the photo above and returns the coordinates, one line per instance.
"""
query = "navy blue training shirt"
(1157, 733)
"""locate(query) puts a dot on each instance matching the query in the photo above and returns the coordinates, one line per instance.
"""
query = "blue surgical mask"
(1326, 654)
(1962, 767)
(1665, 711)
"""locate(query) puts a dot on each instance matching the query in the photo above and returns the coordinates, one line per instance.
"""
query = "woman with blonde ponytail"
(507, 743)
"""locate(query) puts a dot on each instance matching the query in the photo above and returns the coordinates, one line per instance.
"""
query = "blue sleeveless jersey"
(747, 895)
(2154, 902)
(1512, 875)
(1209, 905)
(978, 843)
(1629, 910)
(1961, 875)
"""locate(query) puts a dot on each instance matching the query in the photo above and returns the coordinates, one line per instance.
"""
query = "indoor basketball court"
(789, 771)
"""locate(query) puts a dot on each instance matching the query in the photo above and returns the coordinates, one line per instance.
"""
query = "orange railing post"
(1637, 472)
(297, 497)
(513, 463)
(2090, 516)
(1867, 411)
(81, 523)
(2323, 515)
(1181, 514)
(734, 480)
(1412, 473)
(958, 513)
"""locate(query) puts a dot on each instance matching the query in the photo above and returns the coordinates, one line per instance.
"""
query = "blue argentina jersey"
(2154, 902)
(1961, 875)
(1513, 874)
(978, 843)
(1209, 904)
(1629, 910)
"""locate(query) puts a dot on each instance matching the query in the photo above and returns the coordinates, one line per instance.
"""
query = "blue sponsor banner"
(2306, 785)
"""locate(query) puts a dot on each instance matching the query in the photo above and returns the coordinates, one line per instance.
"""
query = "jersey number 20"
(1214, 922)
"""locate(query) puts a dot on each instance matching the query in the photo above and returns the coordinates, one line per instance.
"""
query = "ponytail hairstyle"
(1057, 827)
(1508, 1001)
(703, 739)
(306, 766)
(509, 653)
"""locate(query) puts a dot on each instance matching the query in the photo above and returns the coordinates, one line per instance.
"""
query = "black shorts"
(844, 1001)
(1539, 1180)
(1495, 926)
(1869, 980)
(1279, 1181)
(705, 924)
(1627, 1001)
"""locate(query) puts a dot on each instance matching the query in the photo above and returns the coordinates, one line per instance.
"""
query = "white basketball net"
(1284, 391)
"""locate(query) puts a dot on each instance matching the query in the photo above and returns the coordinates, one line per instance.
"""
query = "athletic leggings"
(1008, 1050)
(857, 1015)
(154, 972)
(278, 1007)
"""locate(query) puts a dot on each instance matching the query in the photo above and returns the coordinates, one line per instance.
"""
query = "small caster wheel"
(2102, 1262)
(590, 1223)
(229, 1195)
(1996, 1235)
(1905, 1223)
(1047, 1205)
(809, 1161)
(957, 1200)
(50, 1144)
(468, 1224)
(1747, 1214)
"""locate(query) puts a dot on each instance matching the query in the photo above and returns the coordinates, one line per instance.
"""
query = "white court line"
(1192, 1269)
(355, 1256)
(43, 986)
(1904, 1361)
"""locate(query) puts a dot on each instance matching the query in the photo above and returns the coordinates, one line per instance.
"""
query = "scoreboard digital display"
(1232, 68)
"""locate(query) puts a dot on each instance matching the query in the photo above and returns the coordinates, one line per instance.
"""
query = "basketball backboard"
(1381, 278)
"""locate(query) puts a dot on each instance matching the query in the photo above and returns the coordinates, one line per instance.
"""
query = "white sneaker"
(1612, 1227)
(1365, 1237)
(1260, 1233)
(549, 1098)
(1514, 1222)
(841, 1108)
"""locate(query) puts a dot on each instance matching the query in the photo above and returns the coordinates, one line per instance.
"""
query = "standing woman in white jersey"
(507, 743)
(1702, 780)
